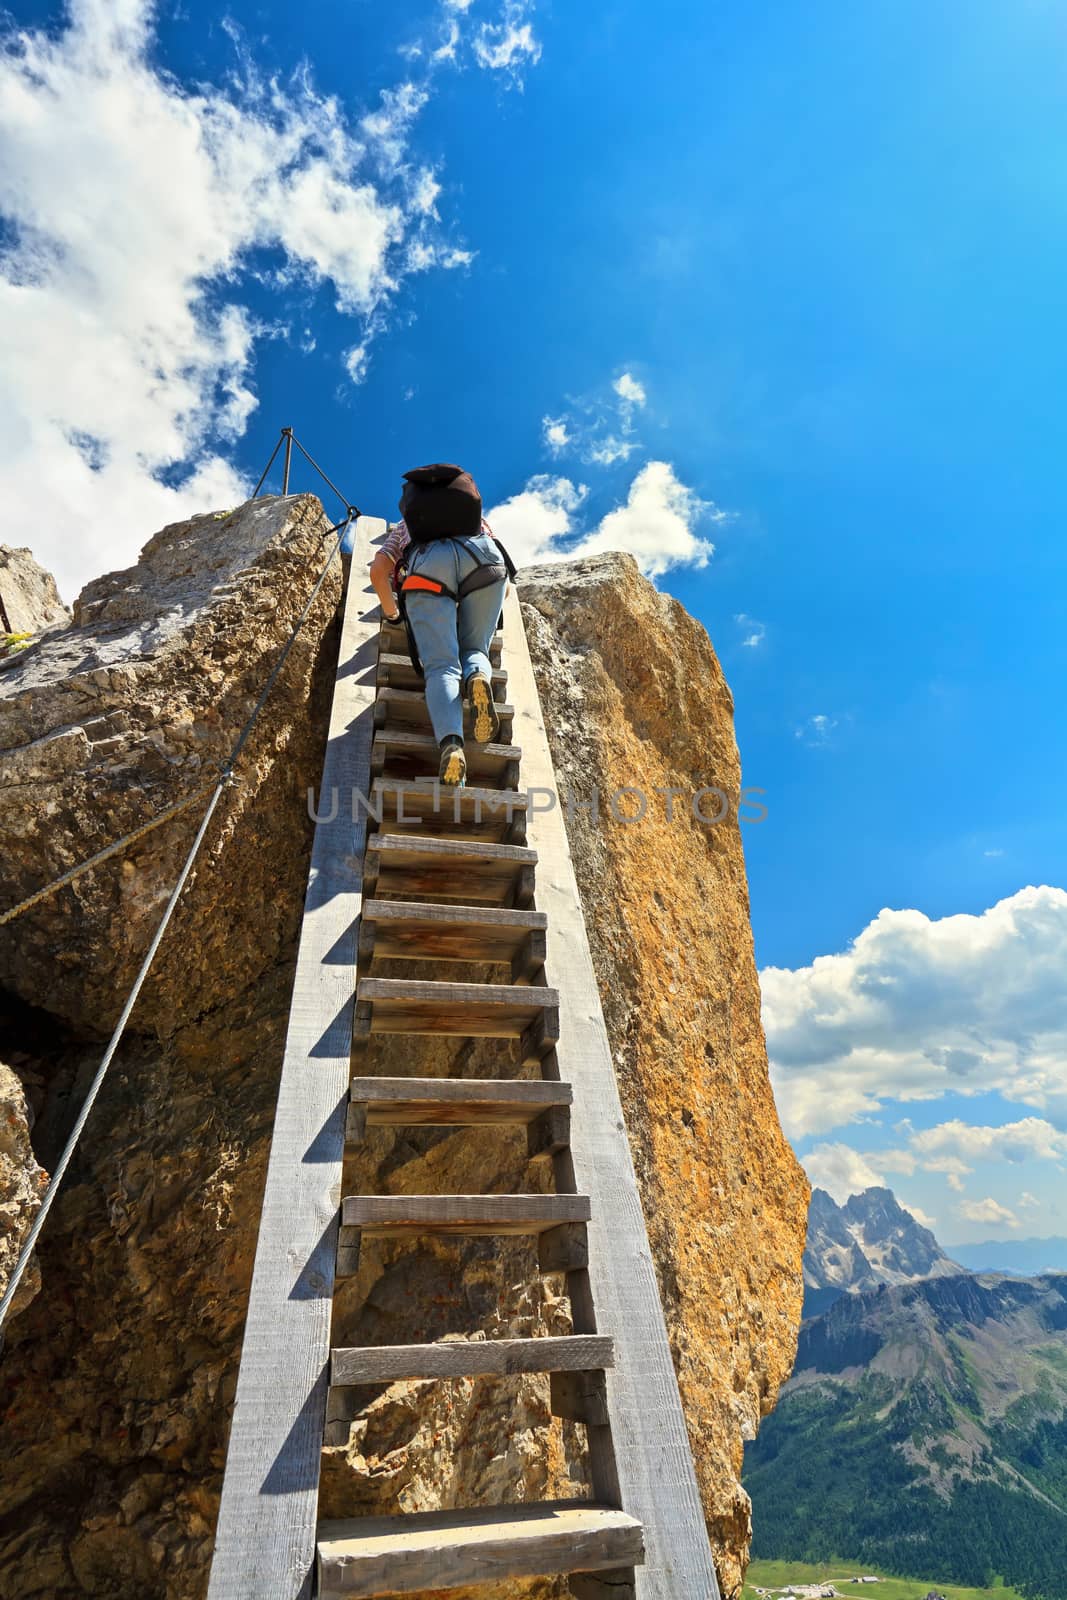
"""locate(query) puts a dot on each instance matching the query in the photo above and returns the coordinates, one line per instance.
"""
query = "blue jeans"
(453, 640)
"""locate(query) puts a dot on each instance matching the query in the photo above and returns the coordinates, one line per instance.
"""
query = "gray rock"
(29, 599)
(133, 706)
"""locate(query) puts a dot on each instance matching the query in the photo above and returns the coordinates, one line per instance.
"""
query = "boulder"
(132, 708)
(29, 599)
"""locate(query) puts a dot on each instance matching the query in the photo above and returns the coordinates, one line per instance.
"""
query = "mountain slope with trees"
(924, 1430)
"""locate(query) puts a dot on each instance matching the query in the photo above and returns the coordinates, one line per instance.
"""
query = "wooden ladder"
(480, 874)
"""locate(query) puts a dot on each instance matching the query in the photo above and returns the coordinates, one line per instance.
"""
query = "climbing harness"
(411, 581)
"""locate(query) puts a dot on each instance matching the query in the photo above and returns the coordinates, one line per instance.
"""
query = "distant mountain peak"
(871, 1239)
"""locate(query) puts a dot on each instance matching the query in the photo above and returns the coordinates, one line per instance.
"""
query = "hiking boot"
(483, 708)
(453, 768)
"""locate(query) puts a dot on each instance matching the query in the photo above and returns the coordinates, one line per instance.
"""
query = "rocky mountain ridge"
(118, 1376)
(869, 1240)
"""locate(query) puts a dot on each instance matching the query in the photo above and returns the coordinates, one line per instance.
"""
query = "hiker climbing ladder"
(478, 874)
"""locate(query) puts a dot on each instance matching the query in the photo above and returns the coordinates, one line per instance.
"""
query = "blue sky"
(825, 245)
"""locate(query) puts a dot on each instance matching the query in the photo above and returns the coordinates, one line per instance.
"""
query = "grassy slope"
(775, 1574)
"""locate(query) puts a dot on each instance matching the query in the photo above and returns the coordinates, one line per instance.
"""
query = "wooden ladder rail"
(618, 1294)
(265, 1538)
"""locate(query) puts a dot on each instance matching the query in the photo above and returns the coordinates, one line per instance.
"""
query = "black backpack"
(440, 501)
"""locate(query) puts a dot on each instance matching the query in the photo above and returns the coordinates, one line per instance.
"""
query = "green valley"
(924, 1432)
(778, 1574)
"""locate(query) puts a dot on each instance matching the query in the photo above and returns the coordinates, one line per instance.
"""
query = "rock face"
(119, 1376)
(132, 708)
(634, 696)
(869, 1240)
(29, 599)
(21, 1183)
(116, 1380)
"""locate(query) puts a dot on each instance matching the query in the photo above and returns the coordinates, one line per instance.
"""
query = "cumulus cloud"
(657, 524)
(134, 207)
(988, 1210)
(952, 1150)
(1028, 1139)
(534, 520)
(920, 1007)
(840, 1170)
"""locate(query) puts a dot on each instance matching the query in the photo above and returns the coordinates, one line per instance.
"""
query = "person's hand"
(394, 618)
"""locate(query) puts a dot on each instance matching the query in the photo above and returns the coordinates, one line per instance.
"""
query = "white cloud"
(840, 1170)
(611, 449)
(555, 434)
(816, 731)
(917, 1008)
(356, 361)
(599, 428)
(534, 519)
(1027, 1200)
(425, 192)
(505, 44)
(1028, 1139)
(754, 632)
(657, 523)
(509, 45)
(988, 1210)
(135, 205)
(629, 390)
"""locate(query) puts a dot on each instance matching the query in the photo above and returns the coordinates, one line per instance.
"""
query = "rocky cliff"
(29, 599)
(118, 1375)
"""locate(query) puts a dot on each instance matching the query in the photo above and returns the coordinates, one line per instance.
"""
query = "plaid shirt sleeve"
(398, 538)
(395, 542)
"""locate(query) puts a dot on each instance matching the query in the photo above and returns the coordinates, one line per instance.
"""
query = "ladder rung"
(406, 708)
(393, 638)
(470, 1358)
(392, 1215)
(458, 869)
(469, 813)
(418, 931)
(455, 1102)
(432, 1550)
(422, 749)
(470, 1010)
(396, 672)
